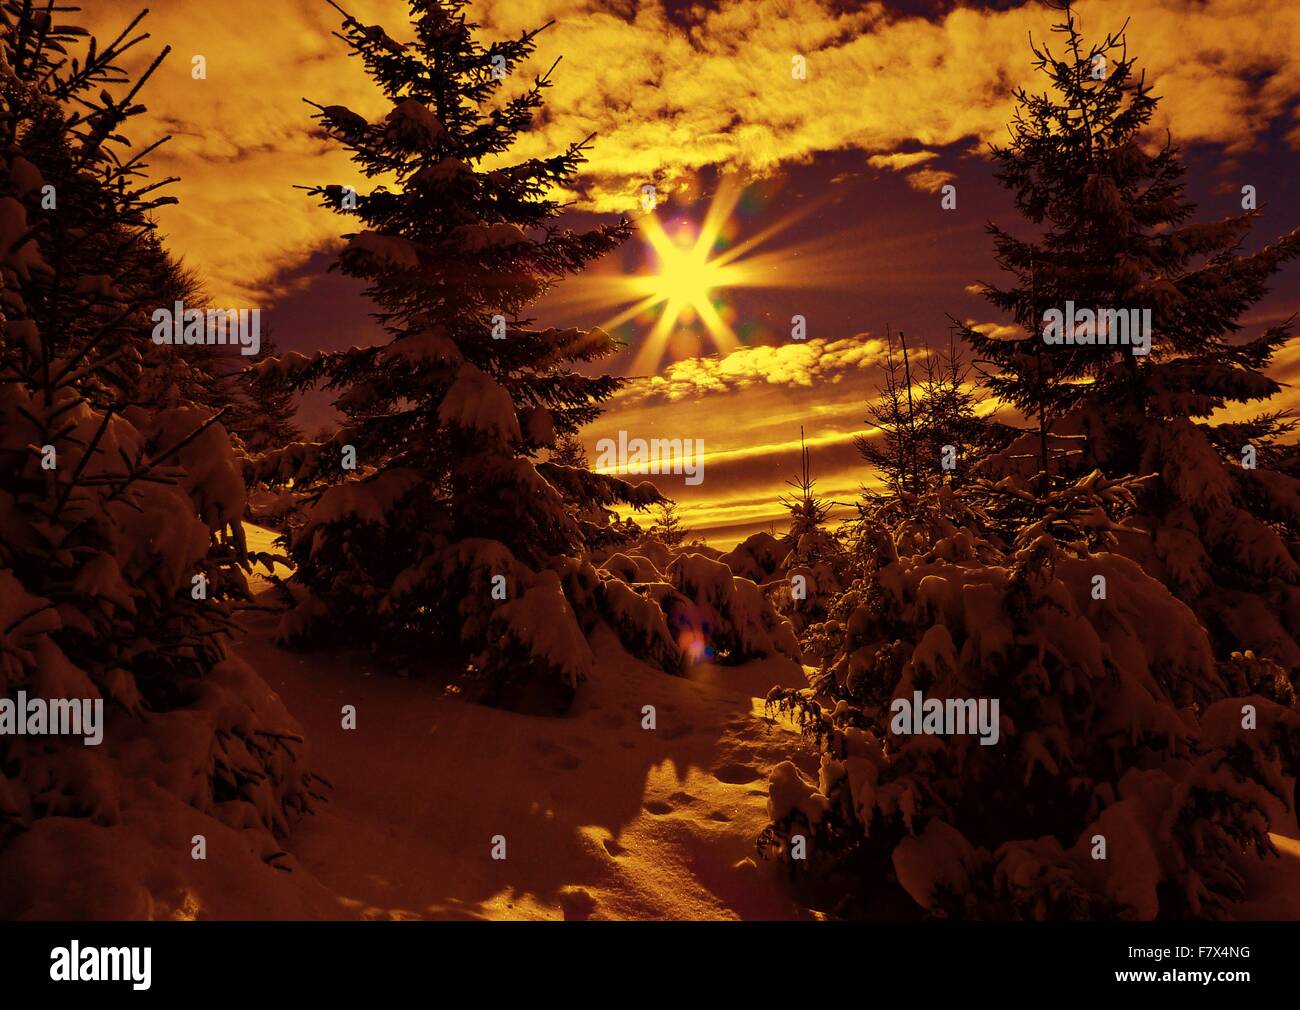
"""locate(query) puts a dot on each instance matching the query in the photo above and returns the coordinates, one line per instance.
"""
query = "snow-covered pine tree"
(447, 524)
(927, 429)
(590, 496)
(1115, 721)
(171, 375)
(83, 182)
(808, 513)
(951, 431)
(811, 571)
(125, 270)
(1116, 232)
(1108, 723)
(110, 509)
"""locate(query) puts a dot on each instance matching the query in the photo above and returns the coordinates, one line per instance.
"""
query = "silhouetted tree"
(925, 416)
(667, 526)
(120, 521)
(808, 513)
(1219, 524)
(894, 452)
(952, 434)
(569, 451)
(264, 414)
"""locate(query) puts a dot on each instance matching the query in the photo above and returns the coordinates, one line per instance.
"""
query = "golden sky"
(894, 105)
(665, 98)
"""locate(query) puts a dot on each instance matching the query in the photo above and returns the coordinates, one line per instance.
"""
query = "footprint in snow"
(735, 774)
(576, 903)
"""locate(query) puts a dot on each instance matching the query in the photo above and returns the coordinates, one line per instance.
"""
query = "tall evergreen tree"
(667, 527)
(1116, 232)
(954, 435)
(89, 203)
(447, 419)
(119, 513)
(808, 513)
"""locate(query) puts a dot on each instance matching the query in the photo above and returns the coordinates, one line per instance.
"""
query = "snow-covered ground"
(601, 818)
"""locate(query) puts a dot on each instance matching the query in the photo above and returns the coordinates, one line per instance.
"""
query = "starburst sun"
(690, 271)
(683, 282)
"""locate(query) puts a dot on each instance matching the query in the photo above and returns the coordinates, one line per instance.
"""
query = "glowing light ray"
(631, 312)
(723, 204)
(771, 231)
(827, 268)
(687, 280)
(585, 294)
(652, 348)
(653, 231)
(723, 335)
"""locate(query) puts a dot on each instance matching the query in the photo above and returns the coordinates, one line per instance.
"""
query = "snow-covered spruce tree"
(260, 418)
(955, 435)
(589, 496)
(448, 524)
(110, 513)
(91, 203)
(1115, 733)
(168, 375)
(674, 608)
(1220, 524)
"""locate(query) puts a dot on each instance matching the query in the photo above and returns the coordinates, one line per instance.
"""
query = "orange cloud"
(898, 162)
(804, 363)
(664, 102)
(929, 180)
